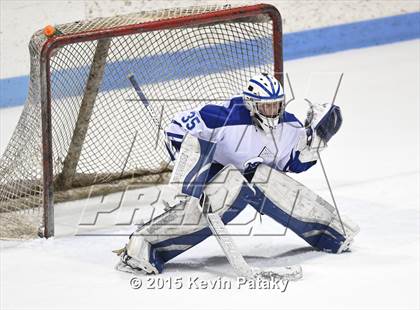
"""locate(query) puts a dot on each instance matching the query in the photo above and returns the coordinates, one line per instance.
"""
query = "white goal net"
(83, 130)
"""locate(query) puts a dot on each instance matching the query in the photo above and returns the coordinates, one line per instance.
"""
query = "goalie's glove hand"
(323, 122)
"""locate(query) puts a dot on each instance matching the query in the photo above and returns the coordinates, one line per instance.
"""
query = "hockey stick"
(238, 262)
(220, 231)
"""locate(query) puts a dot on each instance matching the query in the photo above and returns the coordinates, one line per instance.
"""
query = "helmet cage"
(264, 89)
(266, 123)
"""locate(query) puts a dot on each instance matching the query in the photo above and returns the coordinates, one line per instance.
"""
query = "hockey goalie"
(228, 156)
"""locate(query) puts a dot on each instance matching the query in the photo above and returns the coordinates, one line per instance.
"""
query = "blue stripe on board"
(13, 91)
(353, 35)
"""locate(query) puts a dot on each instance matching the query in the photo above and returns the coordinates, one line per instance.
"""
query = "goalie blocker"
(271, 193)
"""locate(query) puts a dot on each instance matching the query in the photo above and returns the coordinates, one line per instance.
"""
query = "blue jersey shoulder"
(290, 118)
(215, 116)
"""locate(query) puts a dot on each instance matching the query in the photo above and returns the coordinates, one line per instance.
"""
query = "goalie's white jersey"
(238, 140)
(206, 167)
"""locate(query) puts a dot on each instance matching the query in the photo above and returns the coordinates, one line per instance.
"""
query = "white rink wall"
(20, 19)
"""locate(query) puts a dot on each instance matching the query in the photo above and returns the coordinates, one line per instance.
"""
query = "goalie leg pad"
(184, 226)
(192, 167)
(304, 212)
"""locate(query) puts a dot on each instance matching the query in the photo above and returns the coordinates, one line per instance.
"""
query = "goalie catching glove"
(322, 123)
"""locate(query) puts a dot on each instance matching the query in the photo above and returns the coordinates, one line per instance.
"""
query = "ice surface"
(373, 166)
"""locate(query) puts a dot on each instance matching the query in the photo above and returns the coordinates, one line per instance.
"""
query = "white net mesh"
(177, 69)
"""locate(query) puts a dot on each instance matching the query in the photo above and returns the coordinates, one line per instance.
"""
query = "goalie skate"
(132, 265)
(134, 257)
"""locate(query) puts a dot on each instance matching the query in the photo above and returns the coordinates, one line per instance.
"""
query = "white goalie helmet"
(264, 98)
